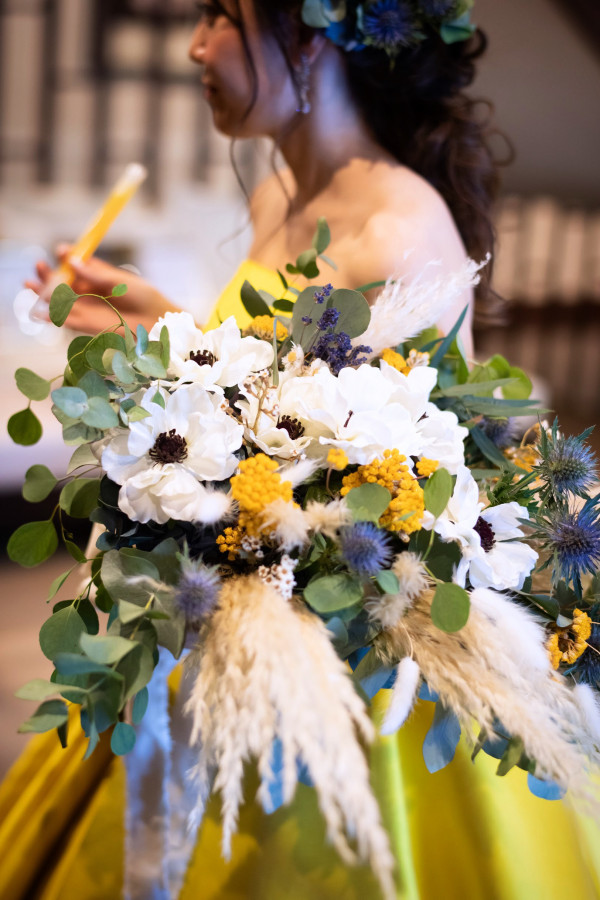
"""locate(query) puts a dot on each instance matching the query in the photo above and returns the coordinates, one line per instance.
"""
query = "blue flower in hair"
(436, 9)
(388, 24)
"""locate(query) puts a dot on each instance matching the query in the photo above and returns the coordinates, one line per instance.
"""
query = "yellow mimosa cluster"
(426, 467)
(407, 495)
(258, 484)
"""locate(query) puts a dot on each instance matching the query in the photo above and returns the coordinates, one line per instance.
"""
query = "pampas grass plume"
(328, 518)
(408, 676)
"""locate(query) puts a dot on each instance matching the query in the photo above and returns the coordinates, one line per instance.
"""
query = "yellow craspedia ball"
(262, 327)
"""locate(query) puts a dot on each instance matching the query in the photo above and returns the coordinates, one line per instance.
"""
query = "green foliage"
(79, 497)
(253, 302)
(437, 491)
(61, 303)
(387, 582)
(25, 428)
(61, 632)
(33, 543)
(139, 706)
(30, 384)
(368, 502)
(49, 715)
(441, 740)
(39, 483)
(450, 607)
(119, 290)
(333, 593)
(72, 401)
(122, 740)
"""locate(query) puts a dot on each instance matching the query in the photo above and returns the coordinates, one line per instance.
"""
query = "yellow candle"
(121, 194)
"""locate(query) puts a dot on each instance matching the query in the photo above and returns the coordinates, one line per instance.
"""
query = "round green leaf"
(119, 290)
(387, 582)
(30, 384)
(355, 312)
(76, 355)
(39, 689)
(71, 400)
(100, 414)
(438, 490)
(61, 303)
(79, 497)
(333, 593)
(99, 345)
(368, 502)
(33, 543)
(61, 632)
(39, 482)
(25, 428)
(450, 607)
(122, 739)
(77, 554)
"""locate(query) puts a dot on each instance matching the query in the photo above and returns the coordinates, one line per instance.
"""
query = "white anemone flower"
(355, 411)
(215, 359)
(493, 552)
(162, 461)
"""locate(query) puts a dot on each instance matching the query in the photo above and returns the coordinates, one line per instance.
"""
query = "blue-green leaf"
(49, 715)
(442, 739)
(122, 740)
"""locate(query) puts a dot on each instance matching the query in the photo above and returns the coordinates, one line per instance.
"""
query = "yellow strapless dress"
(461, 834)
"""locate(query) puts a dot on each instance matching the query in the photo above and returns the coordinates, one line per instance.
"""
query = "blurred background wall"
(89, 85)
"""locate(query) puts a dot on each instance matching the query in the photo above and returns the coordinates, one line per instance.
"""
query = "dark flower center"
(169, 447)
(486, 533)
(203, 357)
(294, 427)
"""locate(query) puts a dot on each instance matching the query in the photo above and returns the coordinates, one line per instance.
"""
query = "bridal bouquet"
(329, 503)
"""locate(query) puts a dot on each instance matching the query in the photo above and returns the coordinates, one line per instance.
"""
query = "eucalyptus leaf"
(322, 236)
(119, 290)
(371, 674)
(39, 483)
(71, 400)
(546, 790)
(94, 385)
(307, 263)
(442, 739)
(76, 354)
(61, 303)
(450, 607)
(368, 502)
(437, 491)
(136, 668)
(61, 632)
(137, 413)
(122, 740)
(74, 551)
(57, 584)
(79, 497)
(99, 345)
(82, 456)
(47, 716)
(332, 593)
(511, 757)
(100, 414)
(139, 706)
(105, 649)
(76, 664)
(284, 305)
(33, 386)
(165, 343)
(387, 582)
(142, 340)
(150, 366)
(24, 428)
(488, 448)
(32, 543)
(355, 312)
(40, 689)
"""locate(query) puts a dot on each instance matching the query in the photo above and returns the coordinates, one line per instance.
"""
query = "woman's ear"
(310, 46)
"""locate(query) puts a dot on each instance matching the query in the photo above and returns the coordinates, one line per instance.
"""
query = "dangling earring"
(303, 85)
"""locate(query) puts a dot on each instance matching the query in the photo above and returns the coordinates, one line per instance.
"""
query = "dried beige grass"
(404, 308)
(484, 671)
(267, 670)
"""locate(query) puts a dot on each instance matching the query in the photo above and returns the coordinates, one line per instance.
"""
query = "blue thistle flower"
(197, 592)
(388, 24)
(568, 465)
(436, 9)
(500, 431)
(365, 548)
(575, 539)
(587, 667)
(329, 319)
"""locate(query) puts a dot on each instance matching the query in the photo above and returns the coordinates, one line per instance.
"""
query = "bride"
(368, 112)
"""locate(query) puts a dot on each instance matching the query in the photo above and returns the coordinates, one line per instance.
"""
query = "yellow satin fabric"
(461, 834)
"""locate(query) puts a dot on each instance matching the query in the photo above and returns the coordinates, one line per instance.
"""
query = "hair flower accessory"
(389, 25)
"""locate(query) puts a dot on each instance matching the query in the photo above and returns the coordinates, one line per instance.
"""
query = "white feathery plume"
(412, 581)
(517, 625)
(404, 308)
(590, 707)
(328, 518)
(299, 471)
(406, 685)
(288, 521)
(266, 669)
(483, 673)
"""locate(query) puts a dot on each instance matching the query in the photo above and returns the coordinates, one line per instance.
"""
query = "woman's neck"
(322, 143)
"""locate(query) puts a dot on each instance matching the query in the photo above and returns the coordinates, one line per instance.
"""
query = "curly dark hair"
(418, 111)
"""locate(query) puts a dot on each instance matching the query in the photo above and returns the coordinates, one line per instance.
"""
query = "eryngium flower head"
(587, 667)
(365, 548)
(568, 465)
(388, 24)
(197, 592)
(500, 431)
(575, 539)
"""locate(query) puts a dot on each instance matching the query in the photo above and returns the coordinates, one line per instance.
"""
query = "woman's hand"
(142, 304)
